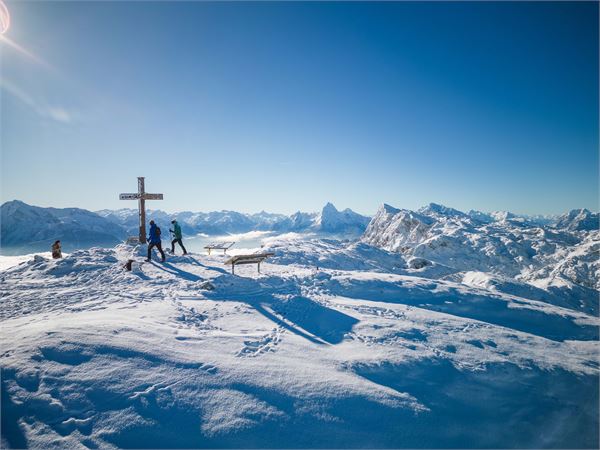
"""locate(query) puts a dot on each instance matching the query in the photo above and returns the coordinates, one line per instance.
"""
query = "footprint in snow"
(267, 343)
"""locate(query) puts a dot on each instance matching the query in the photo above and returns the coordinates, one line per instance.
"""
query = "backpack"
(157, 231)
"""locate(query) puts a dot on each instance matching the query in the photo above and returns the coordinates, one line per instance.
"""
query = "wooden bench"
(219, 246)
(255, 258)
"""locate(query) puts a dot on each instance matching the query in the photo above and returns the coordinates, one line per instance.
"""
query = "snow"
(579, 219)
(335, 344)
(6, 262)
(518, 254)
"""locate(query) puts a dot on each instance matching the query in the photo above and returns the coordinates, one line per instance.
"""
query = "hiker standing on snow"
(56, 250)
(155, 241)
(177, 233)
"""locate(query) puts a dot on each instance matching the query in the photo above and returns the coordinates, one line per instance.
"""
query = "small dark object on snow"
(207, 286)
(128, 264)
(56, 250)
(419, 263)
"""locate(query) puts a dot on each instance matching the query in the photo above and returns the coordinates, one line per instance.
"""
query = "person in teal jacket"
(177, 237)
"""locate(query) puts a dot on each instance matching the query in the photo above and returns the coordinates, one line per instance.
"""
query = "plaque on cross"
(141, 196)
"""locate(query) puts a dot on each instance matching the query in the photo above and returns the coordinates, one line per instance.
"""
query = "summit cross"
(141, 196)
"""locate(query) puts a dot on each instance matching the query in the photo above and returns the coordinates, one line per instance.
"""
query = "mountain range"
(499, 250)
(27, 228)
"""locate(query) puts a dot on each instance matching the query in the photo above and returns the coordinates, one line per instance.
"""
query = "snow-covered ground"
(6, 262)
(332, 345)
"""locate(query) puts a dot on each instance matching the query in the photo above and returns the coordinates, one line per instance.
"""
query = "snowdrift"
(333, 345)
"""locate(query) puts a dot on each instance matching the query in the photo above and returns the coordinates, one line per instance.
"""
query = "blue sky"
(284, 107)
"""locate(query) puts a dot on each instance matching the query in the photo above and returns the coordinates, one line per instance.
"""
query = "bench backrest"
(249, 259)
(219, 245)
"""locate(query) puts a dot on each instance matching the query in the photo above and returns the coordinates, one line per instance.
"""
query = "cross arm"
(129, 196)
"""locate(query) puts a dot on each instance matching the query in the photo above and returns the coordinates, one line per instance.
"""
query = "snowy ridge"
(562, 259)
(363, 351)
(26, 228)
(395, 229)
(221, 222)
(579, 220)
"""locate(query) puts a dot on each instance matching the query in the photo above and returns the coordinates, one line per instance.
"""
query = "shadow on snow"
(490, 309)
(296, 313)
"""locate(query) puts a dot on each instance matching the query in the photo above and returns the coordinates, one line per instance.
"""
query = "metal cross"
(141, 197)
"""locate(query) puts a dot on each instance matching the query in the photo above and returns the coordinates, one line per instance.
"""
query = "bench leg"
(233, 269)
(258, 267)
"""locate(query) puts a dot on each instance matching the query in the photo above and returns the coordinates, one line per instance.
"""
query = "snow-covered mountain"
(502, 216)
(561, 257)
(28, 229)
(329, 220)
(434, 209)
(32, 228)
(579, 220)
(397, 229)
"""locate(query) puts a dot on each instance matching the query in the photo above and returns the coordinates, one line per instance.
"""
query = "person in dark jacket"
(154, 240)
(177, 234)
(56, 250)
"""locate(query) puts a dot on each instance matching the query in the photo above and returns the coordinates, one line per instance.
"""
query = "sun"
(4, 18)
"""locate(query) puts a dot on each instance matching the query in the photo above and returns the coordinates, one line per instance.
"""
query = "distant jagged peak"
(115, 211)
(441, 210)
(302, 214)
(14, 206)
(13, 203)
(578, 212)
(480, 216)
(502, 216)
(388, 209)
(581, 219)
(329, 207)
(331, 219)
(387, 213)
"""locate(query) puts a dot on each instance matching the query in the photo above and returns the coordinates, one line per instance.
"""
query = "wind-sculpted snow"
(333, 345)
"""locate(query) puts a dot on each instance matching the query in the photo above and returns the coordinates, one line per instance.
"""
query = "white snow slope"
(362, 352)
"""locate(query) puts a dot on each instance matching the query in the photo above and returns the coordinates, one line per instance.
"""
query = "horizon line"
(382, 204)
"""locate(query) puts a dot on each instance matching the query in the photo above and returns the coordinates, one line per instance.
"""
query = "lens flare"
(4, 26)
(4, 18)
